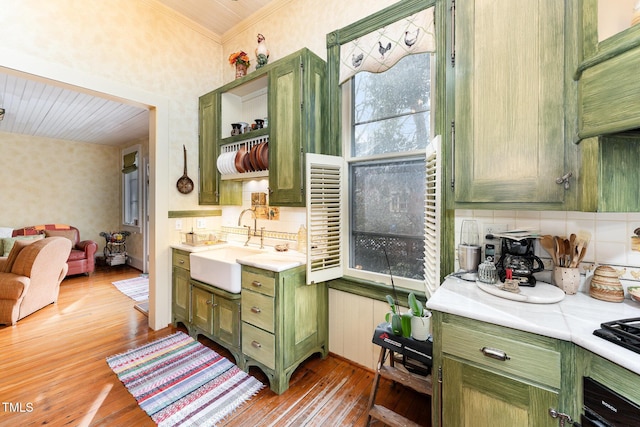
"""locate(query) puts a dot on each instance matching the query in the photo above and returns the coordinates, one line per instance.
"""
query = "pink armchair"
(82, 258)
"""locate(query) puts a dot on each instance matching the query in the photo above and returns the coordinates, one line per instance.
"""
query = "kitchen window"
(386, 125)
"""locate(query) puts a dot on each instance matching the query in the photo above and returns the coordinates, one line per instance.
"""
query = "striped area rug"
(137, 288)
(180, 382)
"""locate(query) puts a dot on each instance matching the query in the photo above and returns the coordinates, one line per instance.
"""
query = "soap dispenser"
(302, 239)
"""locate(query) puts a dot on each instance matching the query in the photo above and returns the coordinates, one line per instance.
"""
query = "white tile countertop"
(572, 319)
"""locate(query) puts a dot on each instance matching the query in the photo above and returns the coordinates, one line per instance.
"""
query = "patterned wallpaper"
(47, 181)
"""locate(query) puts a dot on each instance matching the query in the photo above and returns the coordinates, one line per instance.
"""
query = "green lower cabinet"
(215, 314)
(226, 321)
(180, 288)
(204, 309)
(476, 397)
(497, 376)
(284, 321)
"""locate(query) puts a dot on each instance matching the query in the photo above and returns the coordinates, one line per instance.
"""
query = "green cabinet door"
(296, 111)
(510, 72)
(181, 295)
(202, 309)
(226, 320)
(213, 190)
(475, 397)
(208, 190)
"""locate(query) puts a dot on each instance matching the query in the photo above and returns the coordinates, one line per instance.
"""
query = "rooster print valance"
(379, 50)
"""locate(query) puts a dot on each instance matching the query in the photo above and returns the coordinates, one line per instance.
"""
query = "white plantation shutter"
(432, 218)
(324, 217)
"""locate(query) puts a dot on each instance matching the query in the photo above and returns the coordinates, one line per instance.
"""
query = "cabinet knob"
(209, 302)
(494, 353)
(255, 310)
(181, 261)
(256, 344)
(256, 284)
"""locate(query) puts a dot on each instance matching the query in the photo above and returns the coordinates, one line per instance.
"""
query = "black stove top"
(625, 332)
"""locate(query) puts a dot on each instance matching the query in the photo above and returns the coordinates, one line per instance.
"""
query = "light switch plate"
(201, 223)
(178, 224)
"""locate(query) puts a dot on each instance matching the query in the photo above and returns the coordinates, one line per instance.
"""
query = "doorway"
(156, 218)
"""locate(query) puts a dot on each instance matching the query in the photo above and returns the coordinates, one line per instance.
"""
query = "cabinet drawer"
(258, 310)
(258, 282)
(259, 345)
(181, 259)
(528, 361)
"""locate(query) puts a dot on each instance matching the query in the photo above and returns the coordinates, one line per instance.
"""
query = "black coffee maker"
(518, 256)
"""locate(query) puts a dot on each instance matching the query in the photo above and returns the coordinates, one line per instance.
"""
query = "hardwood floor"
(53, 370)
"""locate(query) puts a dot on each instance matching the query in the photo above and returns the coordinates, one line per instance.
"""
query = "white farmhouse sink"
(218, 267)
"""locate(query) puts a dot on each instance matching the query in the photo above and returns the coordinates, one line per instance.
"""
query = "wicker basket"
(605, 285)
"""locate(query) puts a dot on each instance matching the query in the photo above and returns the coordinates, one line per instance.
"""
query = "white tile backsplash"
(610, 233)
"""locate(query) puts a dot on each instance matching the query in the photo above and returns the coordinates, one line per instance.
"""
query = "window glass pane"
(130, 204)
(391, 110)
(387, 209)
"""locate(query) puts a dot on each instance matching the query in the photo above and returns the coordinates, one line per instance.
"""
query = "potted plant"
(241, 61)
(421, 320)
(394, 317)
(400, 323)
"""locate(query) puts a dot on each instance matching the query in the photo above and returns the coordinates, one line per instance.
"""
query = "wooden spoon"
(547, 244)
(581, 249)
(567, 252)
(559, 250)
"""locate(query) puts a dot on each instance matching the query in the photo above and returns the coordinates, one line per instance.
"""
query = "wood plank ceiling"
(36, 107)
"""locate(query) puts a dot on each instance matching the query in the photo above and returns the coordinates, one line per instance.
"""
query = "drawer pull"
(255, 310)
(494, 353)
(256, 284)
(181, 261)
(256, 344)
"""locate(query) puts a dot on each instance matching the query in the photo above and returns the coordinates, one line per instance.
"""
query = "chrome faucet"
(255, 223)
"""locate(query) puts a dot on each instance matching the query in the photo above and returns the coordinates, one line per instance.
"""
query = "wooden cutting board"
(541, 293)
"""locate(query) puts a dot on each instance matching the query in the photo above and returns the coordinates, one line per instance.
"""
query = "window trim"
(333, 142)
(129, 227)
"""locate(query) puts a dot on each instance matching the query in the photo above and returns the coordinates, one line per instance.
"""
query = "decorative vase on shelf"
(241, 70)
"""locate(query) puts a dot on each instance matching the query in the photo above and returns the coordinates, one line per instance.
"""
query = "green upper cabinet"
(296, 114)
(512, 66)
(290, 93)
(608, 77)
(609, 111)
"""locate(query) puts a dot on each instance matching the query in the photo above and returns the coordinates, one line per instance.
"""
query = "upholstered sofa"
(82, 257)
(30, 276)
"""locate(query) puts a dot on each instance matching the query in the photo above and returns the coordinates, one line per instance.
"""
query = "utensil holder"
(567, 279)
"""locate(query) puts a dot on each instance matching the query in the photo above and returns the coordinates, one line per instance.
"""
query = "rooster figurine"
(262, 53)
